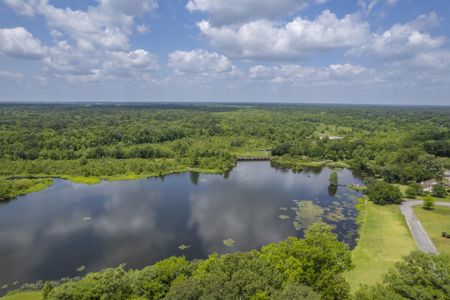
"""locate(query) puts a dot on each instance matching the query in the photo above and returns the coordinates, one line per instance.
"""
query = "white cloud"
(21, 7)
(297, 75)
(137, 59)
(367, 6)
(235, 11)
(130, 7)
(408, 44)
(16, 76)
(201, 62)
(91, 44)
(264, 39)
(19, 43)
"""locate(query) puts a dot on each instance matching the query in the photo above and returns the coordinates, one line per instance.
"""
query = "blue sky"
(318, 51)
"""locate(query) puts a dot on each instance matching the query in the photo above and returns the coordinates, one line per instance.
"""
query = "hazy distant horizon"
(175, 102)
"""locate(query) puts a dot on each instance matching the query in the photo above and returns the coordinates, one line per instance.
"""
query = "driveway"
(419, 234)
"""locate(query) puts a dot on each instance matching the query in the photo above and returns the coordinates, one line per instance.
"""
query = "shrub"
(428, 203)
(439, 191)
(413, 190)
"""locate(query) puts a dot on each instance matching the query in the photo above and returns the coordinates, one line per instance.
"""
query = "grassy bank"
(32, 295)
(11, 188)
(297, 163)
(435, 222)
(383, 240)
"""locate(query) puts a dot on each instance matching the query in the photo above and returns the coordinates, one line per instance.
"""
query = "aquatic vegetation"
(307, 213)
(283, 217)
(183, 247)
(336, 214)
(228, 242)
(81, 268)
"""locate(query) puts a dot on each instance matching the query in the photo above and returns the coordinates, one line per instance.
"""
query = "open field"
(435, 222)
(384, 240)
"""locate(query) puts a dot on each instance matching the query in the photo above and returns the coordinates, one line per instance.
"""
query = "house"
(427, 186)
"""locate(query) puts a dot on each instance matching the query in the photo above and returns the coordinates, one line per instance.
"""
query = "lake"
(70, 229)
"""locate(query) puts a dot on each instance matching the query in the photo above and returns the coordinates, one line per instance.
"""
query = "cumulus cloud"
(89, 44)
(264, 39)
(297, 75)
(19, 43)
(137, 59)
(408, 44)
(235, 11)
(201, 62)
(21, 7)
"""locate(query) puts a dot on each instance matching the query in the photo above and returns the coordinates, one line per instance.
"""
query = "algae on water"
(307, 213)
(183, 247)
(228, 242)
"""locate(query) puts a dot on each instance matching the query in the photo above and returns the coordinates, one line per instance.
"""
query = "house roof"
(429, 183)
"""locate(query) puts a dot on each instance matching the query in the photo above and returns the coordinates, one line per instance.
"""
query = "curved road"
(419, 234)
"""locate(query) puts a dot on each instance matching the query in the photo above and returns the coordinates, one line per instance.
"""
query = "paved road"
(419, 234)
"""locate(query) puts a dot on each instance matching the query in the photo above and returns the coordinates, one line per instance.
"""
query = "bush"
(382, 193)
(413, 190)
(439, 191)
(428, 202)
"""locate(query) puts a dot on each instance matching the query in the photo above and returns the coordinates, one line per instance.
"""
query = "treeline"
(398, 144)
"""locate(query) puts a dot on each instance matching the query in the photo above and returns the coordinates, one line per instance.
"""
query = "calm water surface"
(50, 234)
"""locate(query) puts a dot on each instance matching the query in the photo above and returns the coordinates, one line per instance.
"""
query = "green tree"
(333, 179)
(428, 202)
(439, 191)
(382, 193)
(418, 276)
(413, 190)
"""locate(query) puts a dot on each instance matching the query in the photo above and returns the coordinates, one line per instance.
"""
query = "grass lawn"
(23, 296)
(435, 222)
(384, 239)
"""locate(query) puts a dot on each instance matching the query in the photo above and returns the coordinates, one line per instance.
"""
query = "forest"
(91, 142)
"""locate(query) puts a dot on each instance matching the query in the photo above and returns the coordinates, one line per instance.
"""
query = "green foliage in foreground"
(384, 193)
(419, 276)
(311, 267)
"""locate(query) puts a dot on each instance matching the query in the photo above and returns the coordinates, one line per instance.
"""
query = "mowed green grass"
(384, 239)
(23, 296)
(435, 222)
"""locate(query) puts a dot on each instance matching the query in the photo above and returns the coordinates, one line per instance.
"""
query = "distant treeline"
(398, 144)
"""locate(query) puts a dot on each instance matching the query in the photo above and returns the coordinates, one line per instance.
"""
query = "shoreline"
(293, 164)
